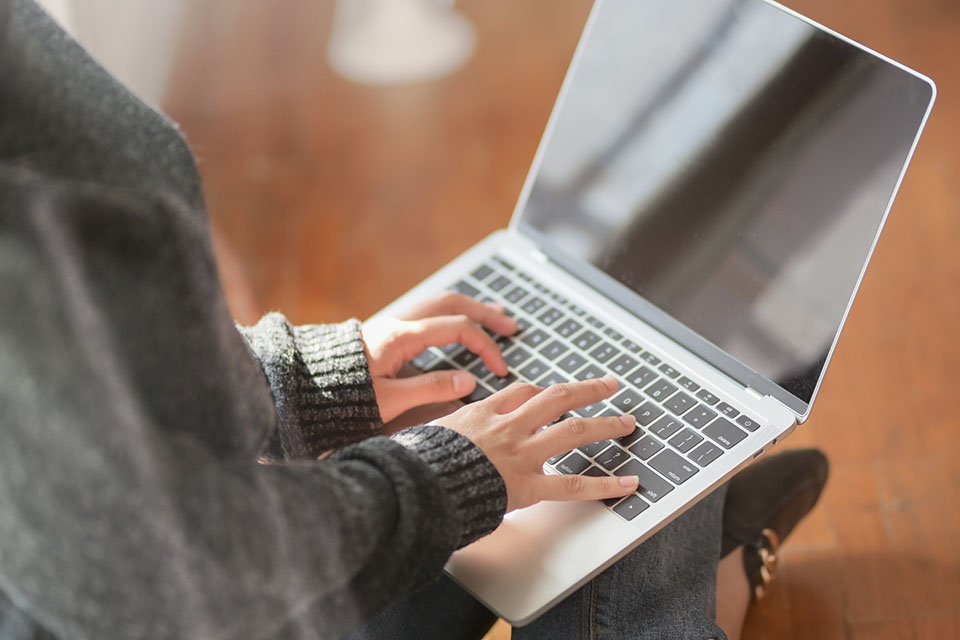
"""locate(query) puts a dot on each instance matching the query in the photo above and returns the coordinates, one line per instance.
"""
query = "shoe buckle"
(768, 557)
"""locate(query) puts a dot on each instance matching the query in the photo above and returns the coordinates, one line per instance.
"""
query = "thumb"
(396, 395)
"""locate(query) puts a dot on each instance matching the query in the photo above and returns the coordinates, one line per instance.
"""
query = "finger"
(443, 330)
(574, 487)
(557, 399)
(491, 315)
(509, 399)
(573, 432)
(397, 395)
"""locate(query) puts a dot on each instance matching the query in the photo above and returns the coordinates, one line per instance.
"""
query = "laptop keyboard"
(681, 426)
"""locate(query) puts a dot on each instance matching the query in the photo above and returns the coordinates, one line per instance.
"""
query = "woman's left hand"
(438, 321)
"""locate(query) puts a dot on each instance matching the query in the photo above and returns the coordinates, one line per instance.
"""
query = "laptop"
(697, 219)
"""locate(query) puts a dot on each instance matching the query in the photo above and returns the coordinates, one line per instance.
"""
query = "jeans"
(665, 589)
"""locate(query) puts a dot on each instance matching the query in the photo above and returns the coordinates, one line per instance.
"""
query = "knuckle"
(560, 392)
(576, 485)
(577, 425)
(449, 297)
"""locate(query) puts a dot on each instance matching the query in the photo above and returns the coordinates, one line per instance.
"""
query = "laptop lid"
(722, 169)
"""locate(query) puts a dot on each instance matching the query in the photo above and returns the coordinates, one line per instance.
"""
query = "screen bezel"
(653, 315)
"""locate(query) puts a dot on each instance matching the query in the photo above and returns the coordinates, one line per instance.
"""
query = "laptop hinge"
(753, 392)
(539, 256)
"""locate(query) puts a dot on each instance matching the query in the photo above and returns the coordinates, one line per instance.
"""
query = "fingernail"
(629, 481)
(628, 421)
(611, 382)
(462, 381)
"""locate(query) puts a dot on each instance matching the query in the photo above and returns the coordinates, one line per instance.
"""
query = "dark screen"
(732, 165)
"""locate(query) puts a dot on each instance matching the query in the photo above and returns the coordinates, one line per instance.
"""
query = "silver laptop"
(699, 214)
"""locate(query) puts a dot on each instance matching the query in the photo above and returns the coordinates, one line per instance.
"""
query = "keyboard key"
(595, 322)
(594, 448)
(609, 502)
(679, 403)
(586, 340)
(748, 423)
(700, 416)
(478, 393)
(424, 359)
(503, 263)
(669, 371)
(554, 350)
(533, 305)
(440, 365)
(572, 362)
(630, 508)
(526, 277)
(568, 327)
(627, 401)
(604, 352)
(612, 458)
(724, 432)
(450, 349)
(516, 295)
(623, 365)
(596, 472)
(647, 446)
(480, 371)
(516, 356)
(535, 338)
(632, 347)
(705, 453)
(590, 372)
(647, 413)
(465, 358)
(556, 459)
(499, 383)
(542, 289)
(505, 342)
(665, 427)
(534, 370)
(627, 440)
(652, 486)
(708, 397)
(480, 273)
(613, 335)
(552, 378)
(660, 390)
(688, 384)
(652, 359)
(673, 466)
(727, 410)
(686, 440)
(576, 310)
(591, 410)
(522, 325)
(466, 289)
(641, 377)
(499, 283)
(550, 316)
(572, 464)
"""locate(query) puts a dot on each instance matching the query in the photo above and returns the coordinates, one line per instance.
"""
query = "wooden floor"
(330, 199)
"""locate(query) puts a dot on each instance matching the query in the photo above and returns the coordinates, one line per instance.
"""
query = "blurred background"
(339, 173)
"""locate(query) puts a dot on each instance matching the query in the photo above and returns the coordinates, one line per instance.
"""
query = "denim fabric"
(664, 590)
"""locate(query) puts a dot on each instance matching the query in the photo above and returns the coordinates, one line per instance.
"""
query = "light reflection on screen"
(731, 164)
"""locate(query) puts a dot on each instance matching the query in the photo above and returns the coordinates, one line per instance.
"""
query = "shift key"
(652, 486)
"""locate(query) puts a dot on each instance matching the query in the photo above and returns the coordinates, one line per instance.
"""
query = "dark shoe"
(764, 503)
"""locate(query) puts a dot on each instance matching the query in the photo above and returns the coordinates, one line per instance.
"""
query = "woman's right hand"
(507, 428)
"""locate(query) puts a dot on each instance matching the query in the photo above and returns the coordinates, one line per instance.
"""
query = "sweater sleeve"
(320, 384)
(131, 501)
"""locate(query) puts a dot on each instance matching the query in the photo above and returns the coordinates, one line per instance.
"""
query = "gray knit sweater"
(158, 467)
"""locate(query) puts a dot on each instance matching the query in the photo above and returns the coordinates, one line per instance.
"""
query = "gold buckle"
(768, 556)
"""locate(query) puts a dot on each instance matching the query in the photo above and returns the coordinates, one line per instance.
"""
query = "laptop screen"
(731, 164)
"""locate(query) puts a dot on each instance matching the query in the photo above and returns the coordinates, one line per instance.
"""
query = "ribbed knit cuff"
(463, 470)
(321, 385)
